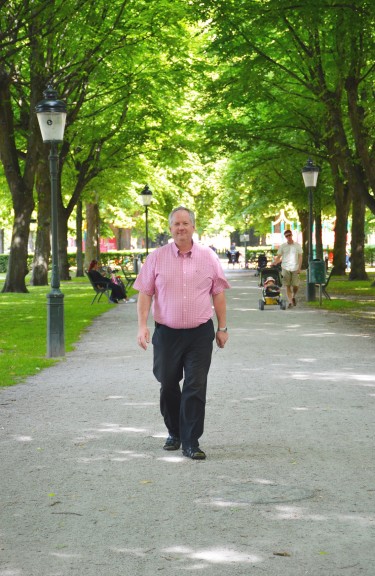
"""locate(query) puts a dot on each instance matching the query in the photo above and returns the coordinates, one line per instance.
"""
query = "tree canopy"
(214, 104)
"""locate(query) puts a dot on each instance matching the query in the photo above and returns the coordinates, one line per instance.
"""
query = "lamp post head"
(51, 114)
(146, 196)
(310, 174)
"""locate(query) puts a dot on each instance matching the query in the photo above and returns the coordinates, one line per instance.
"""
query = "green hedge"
(252, 254)
(370, 256)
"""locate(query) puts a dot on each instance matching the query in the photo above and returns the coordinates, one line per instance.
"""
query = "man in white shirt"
(290, 256)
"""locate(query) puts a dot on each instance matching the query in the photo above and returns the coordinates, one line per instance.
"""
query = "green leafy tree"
(119, 67)
(286, 75)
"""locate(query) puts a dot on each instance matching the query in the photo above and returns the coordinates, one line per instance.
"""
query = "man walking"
(182, 280)
(290, 256)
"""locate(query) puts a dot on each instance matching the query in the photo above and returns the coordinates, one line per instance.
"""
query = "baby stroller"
(270, 283)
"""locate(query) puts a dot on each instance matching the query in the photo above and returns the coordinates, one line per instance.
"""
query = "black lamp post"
(146, 196)
(51, 114)
(310, 175)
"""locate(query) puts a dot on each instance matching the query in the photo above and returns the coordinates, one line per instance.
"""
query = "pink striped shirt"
(181, 284)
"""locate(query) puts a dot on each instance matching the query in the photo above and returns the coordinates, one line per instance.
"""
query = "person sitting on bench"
(118, 291)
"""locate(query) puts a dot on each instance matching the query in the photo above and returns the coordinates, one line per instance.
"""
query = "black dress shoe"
(172, 443)
(195, 453)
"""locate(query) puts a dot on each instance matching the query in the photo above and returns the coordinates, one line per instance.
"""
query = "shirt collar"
(176, 251)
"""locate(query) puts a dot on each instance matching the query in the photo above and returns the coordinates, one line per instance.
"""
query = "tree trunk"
(62, 234)
(318, 236)
(341, 232)
(20, 186)
(303, 216)
(43, 243)
(79, 255)
(362, 138)
(92, 250)
(342, 201)
(357, 256)
(124, 240)
(17, 266)
(122, 236)
(318, 226)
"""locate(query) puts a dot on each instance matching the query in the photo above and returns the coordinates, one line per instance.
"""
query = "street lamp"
(310, 175)
(146, 197)
(51, 114)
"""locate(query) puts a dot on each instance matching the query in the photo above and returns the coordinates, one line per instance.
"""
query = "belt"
(158, 325)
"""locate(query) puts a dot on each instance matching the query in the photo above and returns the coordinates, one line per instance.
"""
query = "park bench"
(129, 277)
(323, 288)
(99, 290)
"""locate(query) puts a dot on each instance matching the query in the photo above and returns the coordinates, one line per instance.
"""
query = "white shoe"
(131, 301)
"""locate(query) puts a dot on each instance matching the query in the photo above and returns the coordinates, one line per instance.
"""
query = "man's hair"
(190, 212)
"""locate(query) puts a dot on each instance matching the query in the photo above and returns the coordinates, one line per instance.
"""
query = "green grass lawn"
(23, 321)
(349, 296)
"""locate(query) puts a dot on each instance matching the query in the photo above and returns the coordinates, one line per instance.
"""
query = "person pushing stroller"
(290, 256)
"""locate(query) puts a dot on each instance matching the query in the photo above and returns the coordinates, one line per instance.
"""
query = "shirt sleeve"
(145, 281)
(220, 282)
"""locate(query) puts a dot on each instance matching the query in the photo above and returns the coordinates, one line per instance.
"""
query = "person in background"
(233, 254)
(182, 280)
(118, 292)
(290, 256)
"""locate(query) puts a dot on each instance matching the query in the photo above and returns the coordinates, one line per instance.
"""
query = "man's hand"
(143, 337)
(143, 308)
(221, 339)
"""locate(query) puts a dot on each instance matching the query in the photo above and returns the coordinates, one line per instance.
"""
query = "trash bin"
(317, 272)
(136, 265)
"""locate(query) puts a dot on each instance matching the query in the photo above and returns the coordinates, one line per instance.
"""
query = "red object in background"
(107, 244)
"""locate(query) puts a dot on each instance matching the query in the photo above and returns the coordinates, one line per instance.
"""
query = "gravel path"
(288, 486)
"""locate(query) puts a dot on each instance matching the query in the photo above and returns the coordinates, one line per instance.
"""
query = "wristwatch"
(222, 329)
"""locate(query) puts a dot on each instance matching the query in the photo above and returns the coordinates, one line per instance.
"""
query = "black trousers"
(178, 354)
(118, 291)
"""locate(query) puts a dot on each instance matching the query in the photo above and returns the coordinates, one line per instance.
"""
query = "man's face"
(182, 229)
(289, 237)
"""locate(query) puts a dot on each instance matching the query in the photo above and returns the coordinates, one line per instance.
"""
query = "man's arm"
(143, 309)
(220, 307)
(299, 262)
